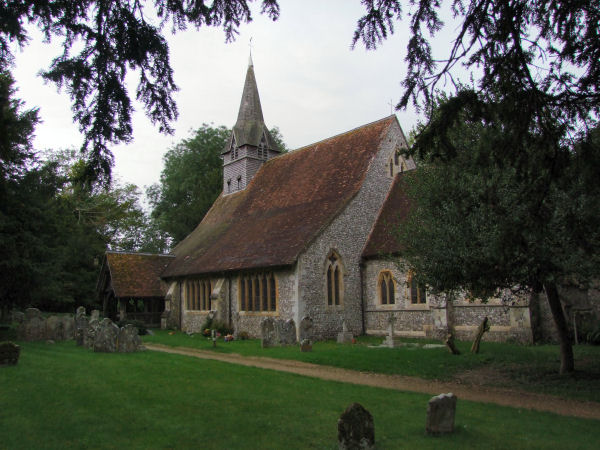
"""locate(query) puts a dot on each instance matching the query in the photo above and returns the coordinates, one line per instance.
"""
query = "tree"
(483, 220)
(102, 41)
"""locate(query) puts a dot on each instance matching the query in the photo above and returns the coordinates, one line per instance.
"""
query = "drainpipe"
(361, 267)
(180, 305)
(229, 300)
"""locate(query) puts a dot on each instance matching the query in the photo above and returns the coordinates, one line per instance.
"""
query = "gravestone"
(17, 317)
(306, 345)
(305, 328)
(389, 340)
(345, 336)
(9, 353)
(106, 336)
(356, 429)
(267, 332)
(128, 339)
(95, 315)
(68, 326)
(54, 328)
(441, 410)
(287, 332)
(33, 327)
(82, 323)
(90, 334)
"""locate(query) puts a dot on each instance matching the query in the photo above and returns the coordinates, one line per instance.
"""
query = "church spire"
(251, 143)
(250, 114)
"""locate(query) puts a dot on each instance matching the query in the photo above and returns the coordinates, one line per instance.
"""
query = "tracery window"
(335, 281)
(197, 295)
(386, 288)
(416, 291)
(258, 292)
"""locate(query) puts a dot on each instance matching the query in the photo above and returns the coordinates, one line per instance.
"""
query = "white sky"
(311, 84)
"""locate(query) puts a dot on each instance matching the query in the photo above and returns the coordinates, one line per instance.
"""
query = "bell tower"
(250, 143)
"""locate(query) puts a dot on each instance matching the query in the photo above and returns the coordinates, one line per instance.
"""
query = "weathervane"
(391, 107)
(250, 45)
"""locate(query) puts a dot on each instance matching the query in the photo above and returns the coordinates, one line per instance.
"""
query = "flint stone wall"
(346, 235)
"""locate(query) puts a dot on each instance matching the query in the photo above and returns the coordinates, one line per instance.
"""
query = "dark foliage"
(115, 37)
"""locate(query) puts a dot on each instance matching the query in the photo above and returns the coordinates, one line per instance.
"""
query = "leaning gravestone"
(440, 414)
(356, 429)
(9, 353)
(106, 336)
(128, 339)
(305, 328)
(287, 332)
(267, 332)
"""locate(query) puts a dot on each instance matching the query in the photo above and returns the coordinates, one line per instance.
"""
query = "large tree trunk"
(567, 363)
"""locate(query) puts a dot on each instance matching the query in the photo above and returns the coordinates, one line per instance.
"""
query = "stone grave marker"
(356, 429)
(441, 411)
(128, 339)
(345, 336)
(106, 336)
(305, 328)
(267, 332)
(306, 345)
(9, 353)
(287, 332)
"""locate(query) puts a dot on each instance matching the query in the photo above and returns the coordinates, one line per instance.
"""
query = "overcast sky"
(311, 84)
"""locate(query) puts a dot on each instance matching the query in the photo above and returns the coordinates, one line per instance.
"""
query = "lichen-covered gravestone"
(82, 323)
(128, 339)
(107, 334)
(356, 429)
(9, 353)
(441, 411)
(287, 332)
(59, 328)
(267, 332)
(90, 334)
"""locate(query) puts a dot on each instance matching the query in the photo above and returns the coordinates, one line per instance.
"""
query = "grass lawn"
(532, 368)
(64, 396)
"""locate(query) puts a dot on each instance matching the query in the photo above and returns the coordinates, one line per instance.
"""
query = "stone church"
(310, 233)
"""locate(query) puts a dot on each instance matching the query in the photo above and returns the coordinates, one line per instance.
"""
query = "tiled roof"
(382, 240)
(136, 274)
(288, 202)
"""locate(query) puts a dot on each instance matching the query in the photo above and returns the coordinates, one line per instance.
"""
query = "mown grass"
(532, 368)
(63, 396)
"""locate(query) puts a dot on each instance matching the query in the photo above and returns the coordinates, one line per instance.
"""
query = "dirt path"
(505, 397)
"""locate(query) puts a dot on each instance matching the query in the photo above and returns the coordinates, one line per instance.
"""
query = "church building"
(309, 233)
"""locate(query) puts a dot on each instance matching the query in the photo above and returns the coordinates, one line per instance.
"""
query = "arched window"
(387, 291)
(416, 292)
(258, 293)
(335, 280)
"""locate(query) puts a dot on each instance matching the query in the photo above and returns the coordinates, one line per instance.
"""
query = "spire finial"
(250, 63)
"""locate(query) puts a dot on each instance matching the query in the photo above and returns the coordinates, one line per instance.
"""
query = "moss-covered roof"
(383, 238)
(136, 274)
(288, 202)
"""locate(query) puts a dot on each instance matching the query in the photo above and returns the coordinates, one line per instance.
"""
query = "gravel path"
(505, 397)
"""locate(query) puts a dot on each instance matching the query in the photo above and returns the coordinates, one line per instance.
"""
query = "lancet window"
(198, 295)
(335, 281)
(386, 288)
(258, 292)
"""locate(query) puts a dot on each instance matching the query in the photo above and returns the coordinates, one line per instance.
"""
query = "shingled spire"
(250, 144)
